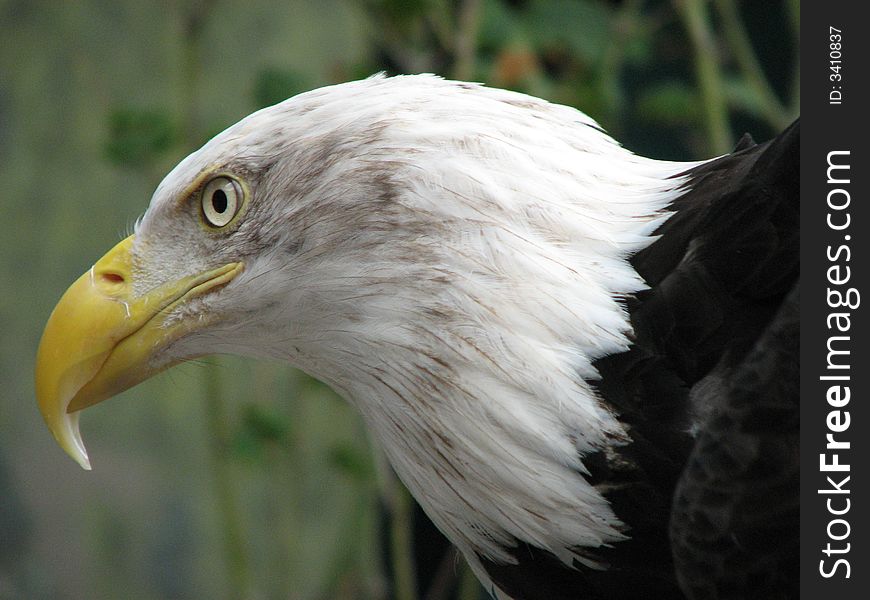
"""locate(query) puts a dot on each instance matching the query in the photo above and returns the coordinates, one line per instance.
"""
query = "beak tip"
(80, 454)
(78, 451)
(70, 439)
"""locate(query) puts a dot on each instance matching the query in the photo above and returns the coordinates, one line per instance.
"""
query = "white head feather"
(451, 259)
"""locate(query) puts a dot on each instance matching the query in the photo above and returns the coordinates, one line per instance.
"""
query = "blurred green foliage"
(230, 478)
(138, 137)
(260, 429)
(273, 85)
(670, 103)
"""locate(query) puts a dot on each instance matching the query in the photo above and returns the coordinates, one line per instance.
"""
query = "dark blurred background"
(235, 479)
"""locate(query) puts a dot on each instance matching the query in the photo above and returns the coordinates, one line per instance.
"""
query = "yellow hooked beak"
(101, 339)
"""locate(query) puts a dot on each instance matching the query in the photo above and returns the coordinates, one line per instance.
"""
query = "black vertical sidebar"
(835, 299)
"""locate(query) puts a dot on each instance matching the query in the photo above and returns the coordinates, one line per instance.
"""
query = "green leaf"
(246, 447)
(351, 461)
(580, 25)
(263, 424)
(402, 11)
(639, 48)
(139, 137)
(260, 428)
(742, 96)
(275, 85)
(669, 103)
(499, 26)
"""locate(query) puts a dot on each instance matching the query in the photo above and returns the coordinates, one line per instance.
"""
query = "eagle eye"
(221, 200)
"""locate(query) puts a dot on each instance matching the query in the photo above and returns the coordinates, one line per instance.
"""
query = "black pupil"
(219, 201)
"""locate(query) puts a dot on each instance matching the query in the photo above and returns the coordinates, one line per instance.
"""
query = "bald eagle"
(581, 362)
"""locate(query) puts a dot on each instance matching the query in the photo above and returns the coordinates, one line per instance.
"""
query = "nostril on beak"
(110, 277)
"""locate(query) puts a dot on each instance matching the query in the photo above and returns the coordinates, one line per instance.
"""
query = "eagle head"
(450, 258)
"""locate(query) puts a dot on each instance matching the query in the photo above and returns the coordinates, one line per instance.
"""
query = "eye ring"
(220, 200)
